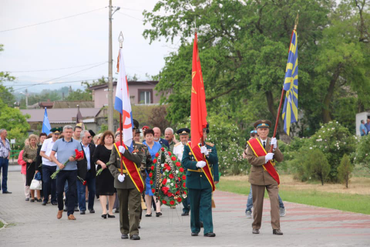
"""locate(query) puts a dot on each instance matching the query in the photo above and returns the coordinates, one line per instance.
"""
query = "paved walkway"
(31, 224)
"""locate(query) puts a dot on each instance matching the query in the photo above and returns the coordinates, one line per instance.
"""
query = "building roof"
(73, 104)
(129, 83)
(59, 115)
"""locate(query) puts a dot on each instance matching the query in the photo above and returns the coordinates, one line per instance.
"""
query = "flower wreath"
(167, 178)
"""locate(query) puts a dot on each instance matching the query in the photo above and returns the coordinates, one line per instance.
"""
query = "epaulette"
(139, 143)
(210, 144)
(177, 144)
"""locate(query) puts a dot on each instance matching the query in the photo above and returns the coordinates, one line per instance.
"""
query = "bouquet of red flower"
(79, 155)
(172, 189)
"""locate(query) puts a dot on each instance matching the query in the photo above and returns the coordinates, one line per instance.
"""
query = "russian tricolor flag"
(122, 102)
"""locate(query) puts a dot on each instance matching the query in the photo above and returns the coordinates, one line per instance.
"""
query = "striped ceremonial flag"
(122, 102)
(290, 110)
(46, 124)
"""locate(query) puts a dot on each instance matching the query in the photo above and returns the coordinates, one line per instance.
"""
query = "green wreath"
(168, 178)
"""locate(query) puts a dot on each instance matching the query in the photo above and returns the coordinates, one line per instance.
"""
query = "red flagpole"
(120, 134)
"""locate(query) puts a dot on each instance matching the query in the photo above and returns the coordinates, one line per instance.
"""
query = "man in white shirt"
(49, 167)
(178, 150)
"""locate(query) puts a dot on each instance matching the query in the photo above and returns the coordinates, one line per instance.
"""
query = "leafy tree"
(318, 165)
(344, 170)
(243, 45)
(79, 95)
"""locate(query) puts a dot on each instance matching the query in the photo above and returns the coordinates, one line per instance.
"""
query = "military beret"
(262, 124)
(145, 128)
(56, 130)
(183, 131)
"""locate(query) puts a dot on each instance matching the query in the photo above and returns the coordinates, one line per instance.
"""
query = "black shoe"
(148, 215)
(124, 236)
(54, 203)
(139, 227)
(65, 209)
(82, 212)
(116, 211)
(201, 224)
(210, 234)
(256, 231)
(277, 232)
(111, 216)
(27, 199)
(76, 209)
(104, 216)
(32, 200)
(38, 200)
(43, 203)
(92, 211)
(185, 214)
(194, 234)
(134, 237)
(158, 214)
(7, 192)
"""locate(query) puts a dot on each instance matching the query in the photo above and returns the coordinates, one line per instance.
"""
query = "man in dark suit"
(263, 175)
(86, 172)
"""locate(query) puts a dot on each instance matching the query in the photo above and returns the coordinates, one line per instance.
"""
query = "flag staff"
(120, 40)
(282, 91)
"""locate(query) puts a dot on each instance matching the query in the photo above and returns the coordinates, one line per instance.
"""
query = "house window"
(145, 96)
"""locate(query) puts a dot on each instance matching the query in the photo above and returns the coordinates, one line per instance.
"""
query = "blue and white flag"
(46, 124)
(122, 102)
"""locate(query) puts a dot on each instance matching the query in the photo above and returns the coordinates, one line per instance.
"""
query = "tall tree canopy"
(243, 50)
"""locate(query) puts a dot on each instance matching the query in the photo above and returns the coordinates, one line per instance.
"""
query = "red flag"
(198, 110)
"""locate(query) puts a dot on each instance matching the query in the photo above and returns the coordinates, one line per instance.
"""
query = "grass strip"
(346, 202)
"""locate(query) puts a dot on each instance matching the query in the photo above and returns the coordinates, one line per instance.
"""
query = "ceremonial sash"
(131, 169)
(206, 170)
(258, 150)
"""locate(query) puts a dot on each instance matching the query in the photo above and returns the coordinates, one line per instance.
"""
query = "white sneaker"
(248, 214)
(282, 212)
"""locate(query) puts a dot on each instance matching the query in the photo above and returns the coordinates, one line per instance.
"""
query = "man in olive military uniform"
(128, 194)
(178, 150)
(259, 155)
(199, 187)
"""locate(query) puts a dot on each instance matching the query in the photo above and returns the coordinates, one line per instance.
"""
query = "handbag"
(36, 184)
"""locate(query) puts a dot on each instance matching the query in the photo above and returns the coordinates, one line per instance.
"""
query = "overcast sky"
(76, 43)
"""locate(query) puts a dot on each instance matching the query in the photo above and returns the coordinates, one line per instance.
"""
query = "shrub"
(334, 141)
(310, 164)
(318, 165)
(362, 155)
(344, 170)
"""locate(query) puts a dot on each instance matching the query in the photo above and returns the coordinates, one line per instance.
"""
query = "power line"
(61, 82)
(41, 70)
(45, 22)
(130, 16)
(47, 81)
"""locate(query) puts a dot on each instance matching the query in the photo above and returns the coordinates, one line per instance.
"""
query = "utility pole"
(110, 77)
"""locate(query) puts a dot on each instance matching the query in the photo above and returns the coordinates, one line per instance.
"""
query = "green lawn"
(1, 224)
(346, 202)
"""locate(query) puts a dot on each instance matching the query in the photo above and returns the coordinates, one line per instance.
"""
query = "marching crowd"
(75, 166)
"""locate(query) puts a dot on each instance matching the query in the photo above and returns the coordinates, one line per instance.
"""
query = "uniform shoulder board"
(177, 144)
(210, 144)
